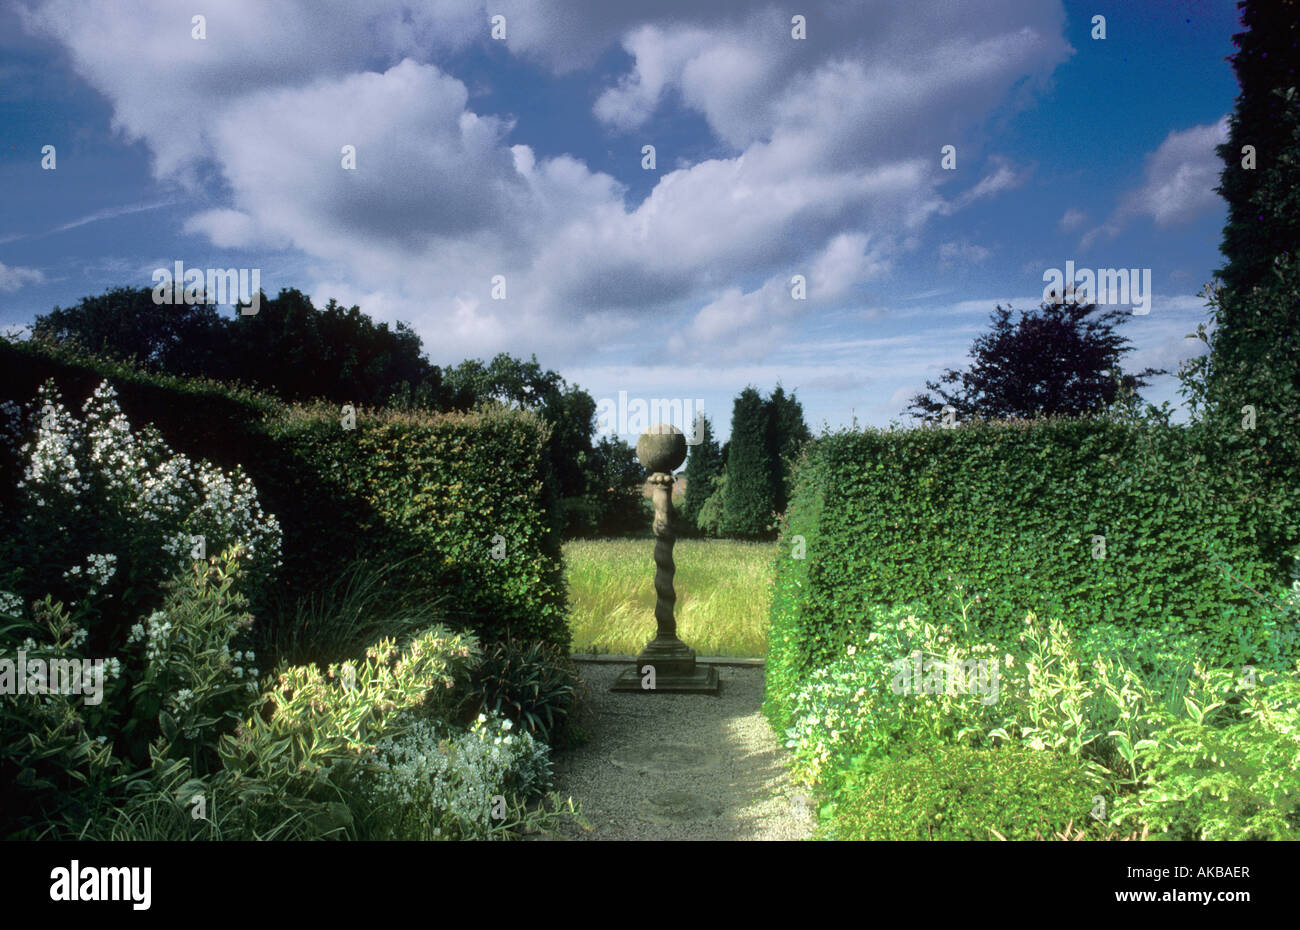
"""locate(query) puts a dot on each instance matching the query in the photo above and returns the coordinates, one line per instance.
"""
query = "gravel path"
(681, 767)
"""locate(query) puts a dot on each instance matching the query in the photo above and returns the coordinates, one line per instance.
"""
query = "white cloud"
(227, 229)
(1004, 177)
(825, 175)
(1181, 176)
(964, 252)
(15, 277)
(1072, 220)
(1178, 184)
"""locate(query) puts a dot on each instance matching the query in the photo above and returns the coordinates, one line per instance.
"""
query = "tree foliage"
(570, 411)
(786, 434)
(703, 464)
(1264, 201)
(289, 348)
(1248, 385)
(1061, 360)
(751, 496)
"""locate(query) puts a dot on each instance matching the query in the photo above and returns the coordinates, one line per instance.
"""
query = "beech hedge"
(464, 495)
(1091, 521)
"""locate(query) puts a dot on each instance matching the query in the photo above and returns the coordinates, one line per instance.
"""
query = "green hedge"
(1008, 511)
(435, 487)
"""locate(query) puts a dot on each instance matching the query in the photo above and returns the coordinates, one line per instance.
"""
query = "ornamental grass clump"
(530, 683)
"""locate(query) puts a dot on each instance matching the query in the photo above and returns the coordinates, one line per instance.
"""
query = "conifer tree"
(1249, 383)
(703, 464)
(750, 497)
(786, 434)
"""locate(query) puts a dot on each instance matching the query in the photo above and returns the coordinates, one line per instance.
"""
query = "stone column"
(662, 449)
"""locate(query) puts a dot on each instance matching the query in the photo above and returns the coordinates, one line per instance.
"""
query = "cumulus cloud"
(1181, 176)
(1178, 184)
(827, 166)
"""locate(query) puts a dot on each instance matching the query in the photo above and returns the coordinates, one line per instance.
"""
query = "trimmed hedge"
(434, 487)
(1008, 512)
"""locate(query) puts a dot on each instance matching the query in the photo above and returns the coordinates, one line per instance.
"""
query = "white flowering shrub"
(432, 782)
(103, 515)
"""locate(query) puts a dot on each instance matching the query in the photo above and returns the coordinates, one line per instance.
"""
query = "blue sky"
(522, 157)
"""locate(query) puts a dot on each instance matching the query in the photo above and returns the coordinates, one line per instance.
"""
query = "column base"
(675, 671)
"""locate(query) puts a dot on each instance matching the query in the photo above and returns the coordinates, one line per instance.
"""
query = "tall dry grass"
(723, 591)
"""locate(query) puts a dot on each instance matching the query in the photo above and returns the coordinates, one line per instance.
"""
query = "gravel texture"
(681, 767)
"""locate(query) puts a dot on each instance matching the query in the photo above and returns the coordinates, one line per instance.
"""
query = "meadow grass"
(723, 591)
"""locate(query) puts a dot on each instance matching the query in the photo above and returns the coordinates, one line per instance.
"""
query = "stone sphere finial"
(661, 448)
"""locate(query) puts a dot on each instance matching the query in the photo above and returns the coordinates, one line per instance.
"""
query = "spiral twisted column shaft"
(661, 485)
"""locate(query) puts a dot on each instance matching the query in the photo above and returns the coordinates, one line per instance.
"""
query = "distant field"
(723, 591)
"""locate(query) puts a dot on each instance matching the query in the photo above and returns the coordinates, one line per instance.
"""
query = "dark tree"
(1060, 360)
(703, 464)
(506, 379)
(1262, 234)
(289, 348)
(1249, 383)
(617, 480)
(1263, 201)
(750, 499)
(125, 324)
(786, 434)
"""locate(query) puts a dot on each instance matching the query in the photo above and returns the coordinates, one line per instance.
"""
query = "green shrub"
(1178, 749)
(532, 684)
(441, 490)
(959, 793)
(1009, 511)
(1228, 768)
(858, 709)
(170, 692)
(309, 745)
(911, 681)
(432, 784)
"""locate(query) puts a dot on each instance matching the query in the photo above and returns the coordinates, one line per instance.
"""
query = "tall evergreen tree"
(751, 496)
(786, 434)
(1262, 234)
(1250, 381)
(1264, 200)
(703, 464)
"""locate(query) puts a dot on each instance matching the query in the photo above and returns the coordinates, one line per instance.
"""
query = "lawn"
(723, 589)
